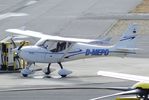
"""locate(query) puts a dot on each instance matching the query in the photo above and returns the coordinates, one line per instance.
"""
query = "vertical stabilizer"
(128, 38)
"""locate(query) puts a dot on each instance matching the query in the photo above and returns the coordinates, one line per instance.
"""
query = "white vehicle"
(56, 49)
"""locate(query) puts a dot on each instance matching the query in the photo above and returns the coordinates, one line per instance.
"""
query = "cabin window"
(60, 46)
(54, 46)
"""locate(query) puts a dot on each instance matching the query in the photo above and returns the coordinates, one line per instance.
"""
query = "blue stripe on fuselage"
(127, 38)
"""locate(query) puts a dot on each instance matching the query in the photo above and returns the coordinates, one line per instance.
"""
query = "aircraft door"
(57, 51)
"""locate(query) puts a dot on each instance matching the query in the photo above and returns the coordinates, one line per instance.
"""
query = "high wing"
(48, 37)
(124, 76)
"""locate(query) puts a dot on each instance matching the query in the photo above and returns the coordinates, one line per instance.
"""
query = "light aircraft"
(140, 89)
(55, 49)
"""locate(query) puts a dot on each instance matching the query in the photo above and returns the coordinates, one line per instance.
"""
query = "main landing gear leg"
(47, 70)
(63, 72)
(60, 65)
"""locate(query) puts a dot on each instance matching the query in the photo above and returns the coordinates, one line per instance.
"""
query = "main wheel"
(64, 72)
(63, 76)
(46, 70)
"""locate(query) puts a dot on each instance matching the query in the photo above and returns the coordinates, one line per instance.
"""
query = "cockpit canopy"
(55, 46)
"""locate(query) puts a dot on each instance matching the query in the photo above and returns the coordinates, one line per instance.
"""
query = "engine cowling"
(142, 85)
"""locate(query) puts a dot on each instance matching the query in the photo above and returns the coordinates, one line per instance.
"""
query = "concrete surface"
(82, 92)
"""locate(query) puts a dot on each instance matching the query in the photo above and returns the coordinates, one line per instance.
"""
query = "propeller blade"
(14, 45)
(17, 59)
(21, 45)
(135, 91)
(13, 38)
(117, 88)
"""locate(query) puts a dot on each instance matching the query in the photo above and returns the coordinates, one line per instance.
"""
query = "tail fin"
(128, 38)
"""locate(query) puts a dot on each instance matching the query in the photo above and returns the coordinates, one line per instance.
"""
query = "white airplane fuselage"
(77, 51)
(55, 49)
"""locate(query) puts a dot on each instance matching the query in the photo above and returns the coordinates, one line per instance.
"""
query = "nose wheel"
(25, 72)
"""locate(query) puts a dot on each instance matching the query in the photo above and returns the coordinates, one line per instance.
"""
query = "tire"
(63, 76)
(25, 75)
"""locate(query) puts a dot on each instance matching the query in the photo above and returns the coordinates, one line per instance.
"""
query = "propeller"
(117, 88)
(129, 92)
(17, 49)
